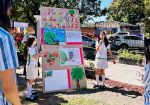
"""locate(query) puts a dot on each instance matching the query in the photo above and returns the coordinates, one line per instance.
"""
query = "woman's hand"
(40, 54)
(114, 62)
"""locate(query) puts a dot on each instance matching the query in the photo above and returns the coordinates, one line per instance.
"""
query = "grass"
(81, 101)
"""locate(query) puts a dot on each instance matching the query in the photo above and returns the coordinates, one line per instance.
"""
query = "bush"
(129, 55)
(21, 48)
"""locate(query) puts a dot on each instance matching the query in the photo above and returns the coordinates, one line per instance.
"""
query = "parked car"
(127, 41)
(111, 37)
(88, 42)
(88, 35)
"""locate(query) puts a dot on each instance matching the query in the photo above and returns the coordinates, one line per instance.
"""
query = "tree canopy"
(129, 11)
(24, 10)
(147, 18)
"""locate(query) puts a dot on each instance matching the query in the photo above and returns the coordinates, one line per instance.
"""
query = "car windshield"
(122, 34)
(132, 38)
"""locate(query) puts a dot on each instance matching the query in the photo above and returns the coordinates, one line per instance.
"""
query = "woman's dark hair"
(29, 43)
(105, 39)
(4, 18)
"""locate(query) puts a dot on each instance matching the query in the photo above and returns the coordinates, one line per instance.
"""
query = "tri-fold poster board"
(63, 59)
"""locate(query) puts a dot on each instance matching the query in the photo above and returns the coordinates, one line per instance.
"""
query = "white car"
(127, 41)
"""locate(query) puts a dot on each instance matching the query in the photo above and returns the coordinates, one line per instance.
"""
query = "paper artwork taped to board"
(73, 37)
(50, 57)
(60, 18)
(54, 36)
(57, 80)
(70, 56)
(77, 74)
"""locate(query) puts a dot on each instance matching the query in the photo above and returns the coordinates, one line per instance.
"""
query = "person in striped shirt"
(147, 80)
(9, 94)
(147, 72)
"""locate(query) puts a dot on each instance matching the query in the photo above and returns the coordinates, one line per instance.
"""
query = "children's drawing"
(72, 12)
(50, 57)
(64, 57)
(60, 18)
(73, 37)
(77, 74)
(54, 36)
(70, 56)
(48, 73)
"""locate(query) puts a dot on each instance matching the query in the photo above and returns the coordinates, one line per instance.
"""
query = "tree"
(129, 11)
(24, 10)
(77, 74)
(147, 18)
(147, 29)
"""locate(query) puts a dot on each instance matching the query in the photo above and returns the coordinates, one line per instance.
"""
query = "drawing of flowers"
(51, 57)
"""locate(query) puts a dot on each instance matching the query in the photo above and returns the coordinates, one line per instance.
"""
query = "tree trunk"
(78, 84)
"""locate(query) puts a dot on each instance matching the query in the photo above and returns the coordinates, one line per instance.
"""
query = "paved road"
(123, 73)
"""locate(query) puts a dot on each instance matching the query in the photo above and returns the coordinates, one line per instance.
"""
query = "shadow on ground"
(132, 94)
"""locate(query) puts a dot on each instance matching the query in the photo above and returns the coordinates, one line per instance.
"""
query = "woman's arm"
(111, 56)
(97, 47)
(9, 87)
(110, 53)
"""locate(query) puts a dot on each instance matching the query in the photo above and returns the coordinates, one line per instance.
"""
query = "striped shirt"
(8, 58)
(147, 85)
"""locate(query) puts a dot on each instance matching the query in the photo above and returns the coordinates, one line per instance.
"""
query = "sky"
(104, 4)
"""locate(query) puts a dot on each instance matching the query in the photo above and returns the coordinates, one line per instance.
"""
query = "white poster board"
(57, 80)
(74, 37)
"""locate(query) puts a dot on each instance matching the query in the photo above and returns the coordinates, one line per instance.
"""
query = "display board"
(63, 59)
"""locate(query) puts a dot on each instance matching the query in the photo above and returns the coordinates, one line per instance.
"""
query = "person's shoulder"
(2, 30)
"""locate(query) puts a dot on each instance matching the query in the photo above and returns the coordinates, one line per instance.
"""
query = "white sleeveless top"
(102, 52)
(31, 51)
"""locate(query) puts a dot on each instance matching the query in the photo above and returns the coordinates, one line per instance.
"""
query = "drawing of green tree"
(77, 74)
(49, 37)
(63, 57)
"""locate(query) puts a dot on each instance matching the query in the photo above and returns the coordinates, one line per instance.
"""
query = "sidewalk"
(123, 73)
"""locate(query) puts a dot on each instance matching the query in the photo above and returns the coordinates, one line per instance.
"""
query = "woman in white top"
(101, 63)
(31, 66)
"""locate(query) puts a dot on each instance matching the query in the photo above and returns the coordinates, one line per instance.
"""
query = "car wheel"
(124, 46)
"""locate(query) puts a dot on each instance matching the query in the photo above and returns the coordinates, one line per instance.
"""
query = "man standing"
(8, 58)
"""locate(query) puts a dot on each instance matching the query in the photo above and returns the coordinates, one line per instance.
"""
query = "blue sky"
(104, 4)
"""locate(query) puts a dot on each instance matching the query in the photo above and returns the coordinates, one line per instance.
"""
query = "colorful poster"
(57, 80)
(62, 61)
(70, 56)
(54, 36)
(60, 18)
(73, 37)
